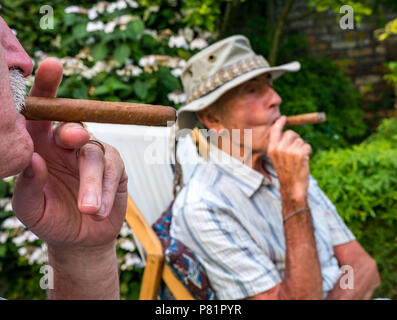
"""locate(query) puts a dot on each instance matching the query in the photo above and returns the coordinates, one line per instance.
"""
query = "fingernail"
(90, 199)
(29, 172)
(101, 211)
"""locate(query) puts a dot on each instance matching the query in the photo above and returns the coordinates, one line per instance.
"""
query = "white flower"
(4, 201)
(198, 44)
(90, 40)
(123, 20)
(100, 7)
(18, 241)
(22, 251)
(147, 60)
(8, 206)
(72, 9)
(30, 236)
(14, 32)
(187, 33)
(136, 71)
(132, 3)
(121, 4)
(9, 179)
(12, 223)
(178, 42)
(3, 237)
(92, 13)
(95, 26)
(131, 259)
(38, 256)
(182, 63)
(150, 32)
(176, 72)
(154, 8)
(125, 230)
(177, 97)
(127, 245)
(110, 27)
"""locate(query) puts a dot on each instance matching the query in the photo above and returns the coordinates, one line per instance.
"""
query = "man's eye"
(251, 89)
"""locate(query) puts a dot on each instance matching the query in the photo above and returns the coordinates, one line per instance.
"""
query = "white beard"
(18, 88)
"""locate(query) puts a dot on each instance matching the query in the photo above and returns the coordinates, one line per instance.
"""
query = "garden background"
(135, 51)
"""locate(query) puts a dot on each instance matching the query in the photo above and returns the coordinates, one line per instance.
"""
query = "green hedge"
(362, 183)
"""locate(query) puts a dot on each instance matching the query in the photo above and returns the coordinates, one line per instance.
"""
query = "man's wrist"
(73, 257)
(84, 272)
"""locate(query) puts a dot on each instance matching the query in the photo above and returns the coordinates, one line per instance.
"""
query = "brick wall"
(356, 51)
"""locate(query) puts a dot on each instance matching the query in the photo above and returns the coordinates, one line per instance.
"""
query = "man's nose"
(275, 99)
(15, 55)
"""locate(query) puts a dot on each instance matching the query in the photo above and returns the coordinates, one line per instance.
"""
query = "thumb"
(28, 201)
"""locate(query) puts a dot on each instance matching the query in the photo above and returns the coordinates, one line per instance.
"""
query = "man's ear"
(209, 119)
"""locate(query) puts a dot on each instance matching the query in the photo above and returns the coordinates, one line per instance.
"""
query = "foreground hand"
(69, 202)
(290, 156)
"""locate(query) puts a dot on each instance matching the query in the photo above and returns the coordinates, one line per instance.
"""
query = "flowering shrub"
(124, 50)
(22, 254)
(362, 183)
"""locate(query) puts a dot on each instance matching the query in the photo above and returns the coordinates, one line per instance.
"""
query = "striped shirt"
(230, 216)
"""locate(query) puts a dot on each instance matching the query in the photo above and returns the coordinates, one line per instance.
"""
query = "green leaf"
(102, 90)
(100, 51)
(3, 250)
(121, 53)
(79, 31)
(141, 89)
(3, 189)
(135, 29)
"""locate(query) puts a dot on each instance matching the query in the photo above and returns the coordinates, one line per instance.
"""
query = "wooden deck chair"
(150, 192)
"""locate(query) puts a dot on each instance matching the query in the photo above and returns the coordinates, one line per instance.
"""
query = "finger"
(276, 130)
(288, 138)
(91, 168)
(307, 149)
(28, 200)
(47, 80)
(8, 109)
(114, 171)
(71, 135)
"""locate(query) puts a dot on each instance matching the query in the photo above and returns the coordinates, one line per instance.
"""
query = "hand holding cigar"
(75, 110)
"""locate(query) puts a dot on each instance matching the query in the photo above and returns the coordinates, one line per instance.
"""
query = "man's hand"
(77, 205)
(290, 156)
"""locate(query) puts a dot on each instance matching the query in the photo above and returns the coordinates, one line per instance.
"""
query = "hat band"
(225, 75)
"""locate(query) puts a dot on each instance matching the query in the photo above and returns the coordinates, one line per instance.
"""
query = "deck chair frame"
(155, 269)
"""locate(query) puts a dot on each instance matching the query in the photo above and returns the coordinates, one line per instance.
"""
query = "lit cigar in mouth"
(76, 110)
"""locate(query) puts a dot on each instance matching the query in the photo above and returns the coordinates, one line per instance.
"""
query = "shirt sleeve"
(235, 265)
(340, 233)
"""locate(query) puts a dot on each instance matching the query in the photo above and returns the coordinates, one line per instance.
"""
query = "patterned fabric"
(230, 216)
(225, 75)
(182, 261)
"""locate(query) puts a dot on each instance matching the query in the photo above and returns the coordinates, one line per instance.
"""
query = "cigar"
(306, 118)
(78, 110)
(75, 110)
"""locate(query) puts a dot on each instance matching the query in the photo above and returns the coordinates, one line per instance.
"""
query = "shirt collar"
(248, 179)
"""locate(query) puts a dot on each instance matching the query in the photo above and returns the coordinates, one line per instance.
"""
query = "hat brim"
(186, 114)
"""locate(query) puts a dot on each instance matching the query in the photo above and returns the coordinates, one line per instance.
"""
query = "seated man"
(72, 190)
(259, 224)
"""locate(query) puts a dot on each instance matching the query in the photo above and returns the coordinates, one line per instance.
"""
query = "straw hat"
(219, 68)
